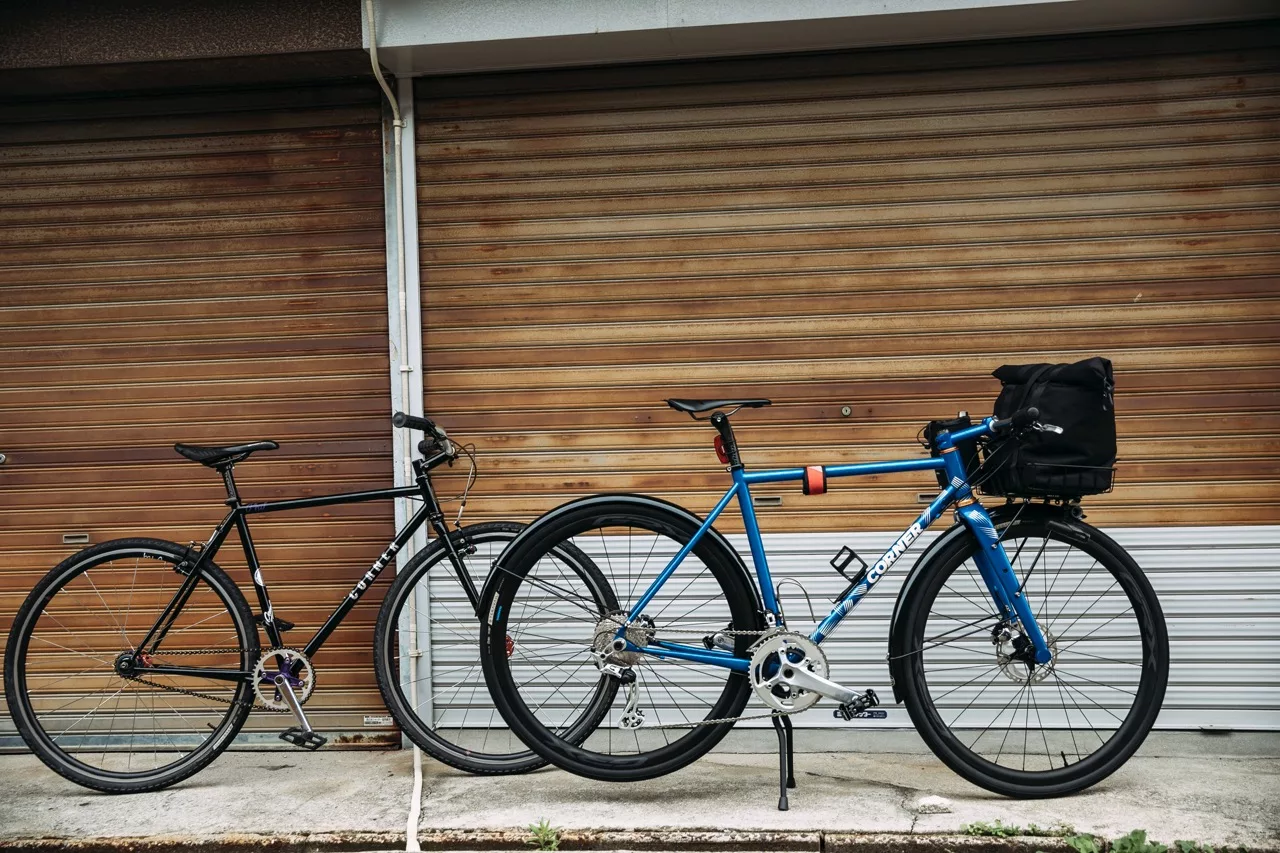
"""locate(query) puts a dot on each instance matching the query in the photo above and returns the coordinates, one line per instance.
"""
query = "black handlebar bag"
(1078, 397)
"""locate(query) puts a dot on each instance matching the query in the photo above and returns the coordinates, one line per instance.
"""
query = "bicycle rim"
(1028, 729)
(446, 709)
(660, 721)
(104, 729)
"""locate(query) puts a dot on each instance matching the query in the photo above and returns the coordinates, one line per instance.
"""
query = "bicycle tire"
(584, 520)
(454, 745)
(34, 715)
(1078, 709)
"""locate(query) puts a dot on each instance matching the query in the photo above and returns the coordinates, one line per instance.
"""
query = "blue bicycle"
(1027, 646)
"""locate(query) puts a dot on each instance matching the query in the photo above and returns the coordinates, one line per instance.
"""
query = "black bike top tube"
(329, 500)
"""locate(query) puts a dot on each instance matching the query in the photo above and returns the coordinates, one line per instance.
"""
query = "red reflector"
(815, 480)
(724, 457)
(511, 646)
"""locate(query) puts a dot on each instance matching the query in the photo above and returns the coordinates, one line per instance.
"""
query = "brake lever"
(1039, 427)
(446, 445)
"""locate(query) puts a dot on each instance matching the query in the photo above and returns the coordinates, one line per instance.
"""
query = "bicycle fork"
(1001, 580)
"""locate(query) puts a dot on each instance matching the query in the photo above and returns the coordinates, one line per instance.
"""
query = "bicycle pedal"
(841, 714)
(305, 739)
(858, 708)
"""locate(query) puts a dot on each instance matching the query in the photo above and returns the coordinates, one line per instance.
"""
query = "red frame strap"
(815, 480)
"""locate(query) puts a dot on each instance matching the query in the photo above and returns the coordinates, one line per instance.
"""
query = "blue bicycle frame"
(993, 562)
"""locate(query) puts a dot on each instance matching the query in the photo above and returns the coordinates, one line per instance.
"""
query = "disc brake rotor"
(1013, 661)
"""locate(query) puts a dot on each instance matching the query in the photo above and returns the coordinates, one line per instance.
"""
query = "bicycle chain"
(727, 632)
(256, 706)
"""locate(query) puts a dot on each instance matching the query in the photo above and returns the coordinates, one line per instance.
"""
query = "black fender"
(1063, 515)
(623, 501)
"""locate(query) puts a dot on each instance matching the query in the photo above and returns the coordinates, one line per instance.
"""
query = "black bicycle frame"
(238, 518)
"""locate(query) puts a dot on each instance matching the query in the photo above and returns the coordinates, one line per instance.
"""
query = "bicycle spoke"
(107, 608)
(1124, 612)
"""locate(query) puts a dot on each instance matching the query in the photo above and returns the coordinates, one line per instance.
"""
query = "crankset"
(283, 680)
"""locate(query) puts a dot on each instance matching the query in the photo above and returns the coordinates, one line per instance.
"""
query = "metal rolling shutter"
(877, 230)
(203, 267)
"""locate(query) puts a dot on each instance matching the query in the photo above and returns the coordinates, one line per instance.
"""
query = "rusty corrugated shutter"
(204, 267)
(878, 230)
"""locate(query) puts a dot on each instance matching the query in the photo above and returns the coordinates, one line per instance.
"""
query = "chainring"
(770, 655)
(304, 683)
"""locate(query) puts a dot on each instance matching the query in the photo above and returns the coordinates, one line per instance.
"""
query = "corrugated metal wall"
(204, 267)
(1215, 585)
(877, 230)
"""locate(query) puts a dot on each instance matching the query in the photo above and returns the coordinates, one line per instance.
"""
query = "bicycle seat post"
(721, 422)
(228, 480)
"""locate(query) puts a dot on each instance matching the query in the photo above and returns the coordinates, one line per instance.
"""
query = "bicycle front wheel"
(93, 710)
(995, 716)
(427, 656)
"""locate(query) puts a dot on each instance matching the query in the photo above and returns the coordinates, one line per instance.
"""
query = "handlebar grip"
(400, 419)
(1019, 419)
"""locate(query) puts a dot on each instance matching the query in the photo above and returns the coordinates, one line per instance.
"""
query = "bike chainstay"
(728, 632)
(257, 706)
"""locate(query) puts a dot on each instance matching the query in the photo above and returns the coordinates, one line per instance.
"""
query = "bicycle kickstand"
(786, 758)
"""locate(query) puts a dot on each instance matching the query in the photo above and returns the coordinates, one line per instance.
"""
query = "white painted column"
(404, 329)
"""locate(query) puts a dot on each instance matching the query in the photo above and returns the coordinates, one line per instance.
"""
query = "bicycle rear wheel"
(90, 710)
(446, 710)
(542, 641)
(1036, 730)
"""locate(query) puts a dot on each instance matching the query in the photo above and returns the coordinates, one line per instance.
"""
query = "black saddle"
(215, 457)
(693, 407)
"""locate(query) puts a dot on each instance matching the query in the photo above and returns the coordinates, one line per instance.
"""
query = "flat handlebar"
(436, 442)
(400, 419)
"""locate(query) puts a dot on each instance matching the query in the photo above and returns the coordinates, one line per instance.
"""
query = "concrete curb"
(513, 841)
(638, 840)
(221, 843)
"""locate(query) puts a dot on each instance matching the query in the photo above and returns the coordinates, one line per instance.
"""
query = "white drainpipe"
(405, 401)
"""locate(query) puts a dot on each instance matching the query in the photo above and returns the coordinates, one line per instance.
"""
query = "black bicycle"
(134, 663)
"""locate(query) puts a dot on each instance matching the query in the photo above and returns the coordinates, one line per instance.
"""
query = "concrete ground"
(1221, 789)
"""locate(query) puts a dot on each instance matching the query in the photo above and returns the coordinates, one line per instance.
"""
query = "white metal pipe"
(405, 404)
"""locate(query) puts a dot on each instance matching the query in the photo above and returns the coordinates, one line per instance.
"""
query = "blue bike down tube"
(649, 593)
(882, 564)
